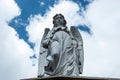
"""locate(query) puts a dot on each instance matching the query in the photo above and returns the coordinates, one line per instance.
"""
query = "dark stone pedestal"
(72, 78)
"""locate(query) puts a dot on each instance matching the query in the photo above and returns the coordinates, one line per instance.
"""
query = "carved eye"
(44, 51)
(40, 52)
(60, 17)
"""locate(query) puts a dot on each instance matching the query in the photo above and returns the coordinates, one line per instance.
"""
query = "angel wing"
(76, 34)
(42, 55)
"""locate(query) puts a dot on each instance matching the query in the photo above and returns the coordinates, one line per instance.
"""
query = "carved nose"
(59, 20)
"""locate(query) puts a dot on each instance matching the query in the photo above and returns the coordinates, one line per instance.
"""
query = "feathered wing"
(45, 33)
(42, 54)
(76, 34)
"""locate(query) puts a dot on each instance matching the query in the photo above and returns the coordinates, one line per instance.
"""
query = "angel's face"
(59, 20)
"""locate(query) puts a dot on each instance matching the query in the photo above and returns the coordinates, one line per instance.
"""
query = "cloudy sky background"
(22, 23)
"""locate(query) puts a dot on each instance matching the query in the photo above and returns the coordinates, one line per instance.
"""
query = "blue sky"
(30, 8)
(22, 23)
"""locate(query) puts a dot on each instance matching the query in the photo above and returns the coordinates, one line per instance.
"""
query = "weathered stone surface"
(72, 78)
(63, 50)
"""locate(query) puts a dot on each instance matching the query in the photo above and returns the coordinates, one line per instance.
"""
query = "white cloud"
(8, 9)
(42, 3)
(102, 49)
(14, 56)
(14, 52)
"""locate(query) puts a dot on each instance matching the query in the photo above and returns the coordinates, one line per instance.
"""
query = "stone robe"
(62, 55)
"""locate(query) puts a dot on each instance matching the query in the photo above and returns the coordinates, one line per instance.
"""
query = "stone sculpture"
(63, 49)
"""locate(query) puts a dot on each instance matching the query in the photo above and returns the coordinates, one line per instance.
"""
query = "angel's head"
(59, 20)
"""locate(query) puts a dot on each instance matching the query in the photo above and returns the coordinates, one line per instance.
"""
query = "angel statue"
(63, 49)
